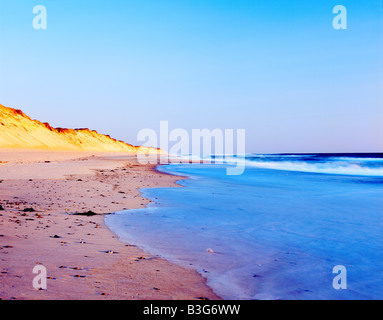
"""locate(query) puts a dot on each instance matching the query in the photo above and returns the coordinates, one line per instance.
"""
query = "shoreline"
(85, 260)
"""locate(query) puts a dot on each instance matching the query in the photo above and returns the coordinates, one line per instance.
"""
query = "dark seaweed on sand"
(88, 213)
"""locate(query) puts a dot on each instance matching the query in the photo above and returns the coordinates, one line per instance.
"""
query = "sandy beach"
(44, 196)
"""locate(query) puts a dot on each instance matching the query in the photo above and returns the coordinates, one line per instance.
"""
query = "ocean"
(275, 232)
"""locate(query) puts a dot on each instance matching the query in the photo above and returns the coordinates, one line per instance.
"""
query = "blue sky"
(276, 68)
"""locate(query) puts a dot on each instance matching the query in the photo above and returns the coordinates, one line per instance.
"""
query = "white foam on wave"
(328, 167)
(332, 165)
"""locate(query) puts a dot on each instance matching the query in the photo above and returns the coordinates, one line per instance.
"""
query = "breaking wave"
(370, 164)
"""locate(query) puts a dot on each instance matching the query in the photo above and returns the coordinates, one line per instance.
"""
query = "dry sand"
(76, 249)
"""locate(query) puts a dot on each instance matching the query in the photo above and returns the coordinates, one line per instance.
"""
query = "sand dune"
(18, 131)
(50, 179)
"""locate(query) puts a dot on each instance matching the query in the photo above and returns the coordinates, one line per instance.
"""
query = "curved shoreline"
(84, 258)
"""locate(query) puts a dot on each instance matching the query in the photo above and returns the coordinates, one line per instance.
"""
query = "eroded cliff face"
(18, 131)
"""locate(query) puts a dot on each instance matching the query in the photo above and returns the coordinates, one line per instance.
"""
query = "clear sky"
(276, 68)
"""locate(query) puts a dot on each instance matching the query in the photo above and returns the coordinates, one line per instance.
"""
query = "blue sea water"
(274, 232)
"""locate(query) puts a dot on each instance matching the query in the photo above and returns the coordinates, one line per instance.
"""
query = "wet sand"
(44, 196)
